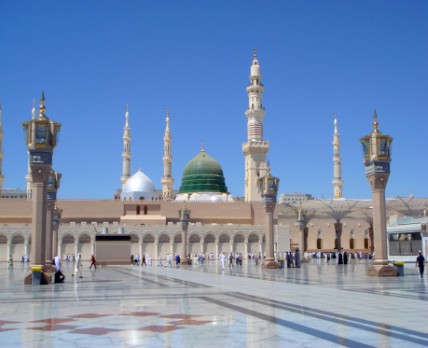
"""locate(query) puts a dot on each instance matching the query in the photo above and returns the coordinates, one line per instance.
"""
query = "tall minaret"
(1, 152)
(337, 179)
(256, 148)
(28, 177)
(126, 154)
(167, 180)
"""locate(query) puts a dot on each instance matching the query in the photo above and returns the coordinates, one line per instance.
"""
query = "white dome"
(204, 197)
(138, 186)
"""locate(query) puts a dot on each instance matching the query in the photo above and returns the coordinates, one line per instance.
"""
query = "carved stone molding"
(40, 173)
(378, 182)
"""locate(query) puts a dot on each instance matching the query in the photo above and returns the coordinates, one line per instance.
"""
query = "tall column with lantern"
(301, 224)
(56, 220)
(377, 158)
(52, 188)
(184, 215)
(338, 228)
(268, 187)
(41, 138)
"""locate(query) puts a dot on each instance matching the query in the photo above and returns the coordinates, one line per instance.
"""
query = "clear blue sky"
(317, 58)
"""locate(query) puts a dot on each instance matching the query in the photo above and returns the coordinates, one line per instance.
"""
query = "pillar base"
(270, 265)
(382, 271)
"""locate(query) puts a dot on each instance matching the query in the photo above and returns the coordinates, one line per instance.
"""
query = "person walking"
(10, 262)
(420, 260)
(93, 262)
(77, 267)
(222, 260)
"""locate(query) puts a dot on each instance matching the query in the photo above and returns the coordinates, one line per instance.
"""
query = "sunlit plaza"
(320, 304)
(280, 198)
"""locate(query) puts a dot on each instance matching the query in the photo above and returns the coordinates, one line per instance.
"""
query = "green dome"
(203, 174)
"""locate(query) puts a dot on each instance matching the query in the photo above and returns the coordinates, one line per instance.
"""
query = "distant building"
(13, 193)
(294, 198)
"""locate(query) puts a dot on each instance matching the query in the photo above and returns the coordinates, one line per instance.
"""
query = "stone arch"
(239, 243)
(17, 246)
(164, 245)
(149, 245)
(210, 244)
(17, 239)
(224, 243)
(135, 238)
(84, 246)
(3, 247)
(177, 244)
(135, 244)
(148, 238)
(253, 243)
(194, 243)
(3, 239)
(67, 245)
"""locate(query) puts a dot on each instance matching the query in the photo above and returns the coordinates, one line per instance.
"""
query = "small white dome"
(204, 197)
(138, 186)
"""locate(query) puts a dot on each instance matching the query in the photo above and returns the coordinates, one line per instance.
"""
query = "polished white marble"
(131, 306)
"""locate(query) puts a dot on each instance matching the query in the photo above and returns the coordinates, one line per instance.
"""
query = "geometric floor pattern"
(318, 305)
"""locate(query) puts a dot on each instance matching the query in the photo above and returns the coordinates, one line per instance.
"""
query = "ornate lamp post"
(268, 186)
(184, 215)
(53, 185)
(56, 220)
(41, 138)
(377, 158)
(338, 228)
(301, 224)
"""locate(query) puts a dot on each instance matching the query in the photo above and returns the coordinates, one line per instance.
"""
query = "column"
(38, 234)
(9, 249)
(269, 261)
(49, 232)
(338, 229)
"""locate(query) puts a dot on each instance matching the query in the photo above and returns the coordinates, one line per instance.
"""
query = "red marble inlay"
(160, 328)
(89, 316)
(179, 316)
(141, 314)
(53, 327)
(190, 322)
(3, 322)
(3, 330)
(53, 321)
(96, 331)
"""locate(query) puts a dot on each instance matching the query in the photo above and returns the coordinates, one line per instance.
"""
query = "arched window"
(319, 243)
(366, 243)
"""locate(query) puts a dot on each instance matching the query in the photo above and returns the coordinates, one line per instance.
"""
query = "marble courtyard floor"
(318, 305)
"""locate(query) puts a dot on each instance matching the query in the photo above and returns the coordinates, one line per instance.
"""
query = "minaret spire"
(337, 167)
(42, 107)
(28, 177)
(256, 148)
(126, 154)
(1, 151)
(167, 179)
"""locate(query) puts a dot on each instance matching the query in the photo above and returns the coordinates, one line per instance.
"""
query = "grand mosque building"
(219, 222)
